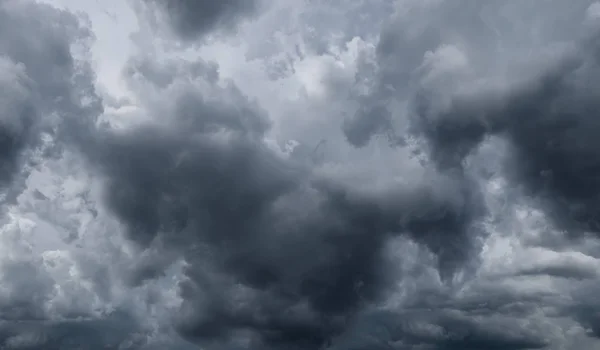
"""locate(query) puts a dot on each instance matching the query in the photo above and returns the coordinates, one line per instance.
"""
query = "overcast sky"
(300, 175)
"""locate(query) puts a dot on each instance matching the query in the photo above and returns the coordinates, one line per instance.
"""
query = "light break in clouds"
(299, 175)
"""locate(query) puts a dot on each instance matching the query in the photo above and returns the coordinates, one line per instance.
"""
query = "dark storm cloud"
(41, 84)
(550, 124)
(543, 108)
(368, 121)
(586, 308)
(277, 256)
(556, 151)
(549, 119)
(489, 34)
(192, 19)
(46, 91)
(274, 252)
(40, 79)
(113, 332)
(16, 118)
(443, 329)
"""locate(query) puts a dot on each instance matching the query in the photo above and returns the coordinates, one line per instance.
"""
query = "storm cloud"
(311, 175)
(40, 79)
(191, 20)
(304, 253)
(549, 122)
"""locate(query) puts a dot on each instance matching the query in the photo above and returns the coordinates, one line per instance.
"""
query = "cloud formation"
(191, 20)
(303, 253)
(426, 182)
(549, 124)
(40, 78)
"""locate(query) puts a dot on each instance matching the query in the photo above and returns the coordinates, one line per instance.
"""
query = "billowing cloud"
(309, 175)
(40, 78)
(549, 123)
(280, 256)
(47, 95)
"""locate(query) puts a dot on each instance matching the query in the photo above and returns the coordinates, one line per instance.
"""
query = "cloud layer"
(312, 175)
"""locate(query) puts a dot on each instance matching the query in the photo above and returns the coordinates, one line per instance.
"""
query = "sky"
(299, 175)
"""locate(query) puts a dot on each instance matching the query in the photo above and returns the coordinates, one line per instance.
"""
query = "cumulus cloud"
(548, 121)
(366, 175)
(302, 253)
(39, 78)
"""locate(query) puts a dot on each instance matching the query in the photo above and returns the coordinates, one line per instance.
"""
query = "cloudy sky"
(302, 175)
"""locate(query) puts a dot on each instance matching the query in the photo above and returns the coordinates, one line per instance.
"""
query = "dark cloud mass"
(551, 125)
(192, 19)
(304, 253)
(43, 87)
(213, 232)
(38, 76)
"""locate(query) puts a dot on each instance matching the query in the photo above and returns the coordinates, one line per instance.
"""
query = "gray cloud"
(549, 123)
(193, 19)
(47, 93)
(304, 253)
(429, 52)
(445, 329)
(280, 251)
(14, 123)
(114, 332)
(43, 84)
(464, 89)
(547, 118)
